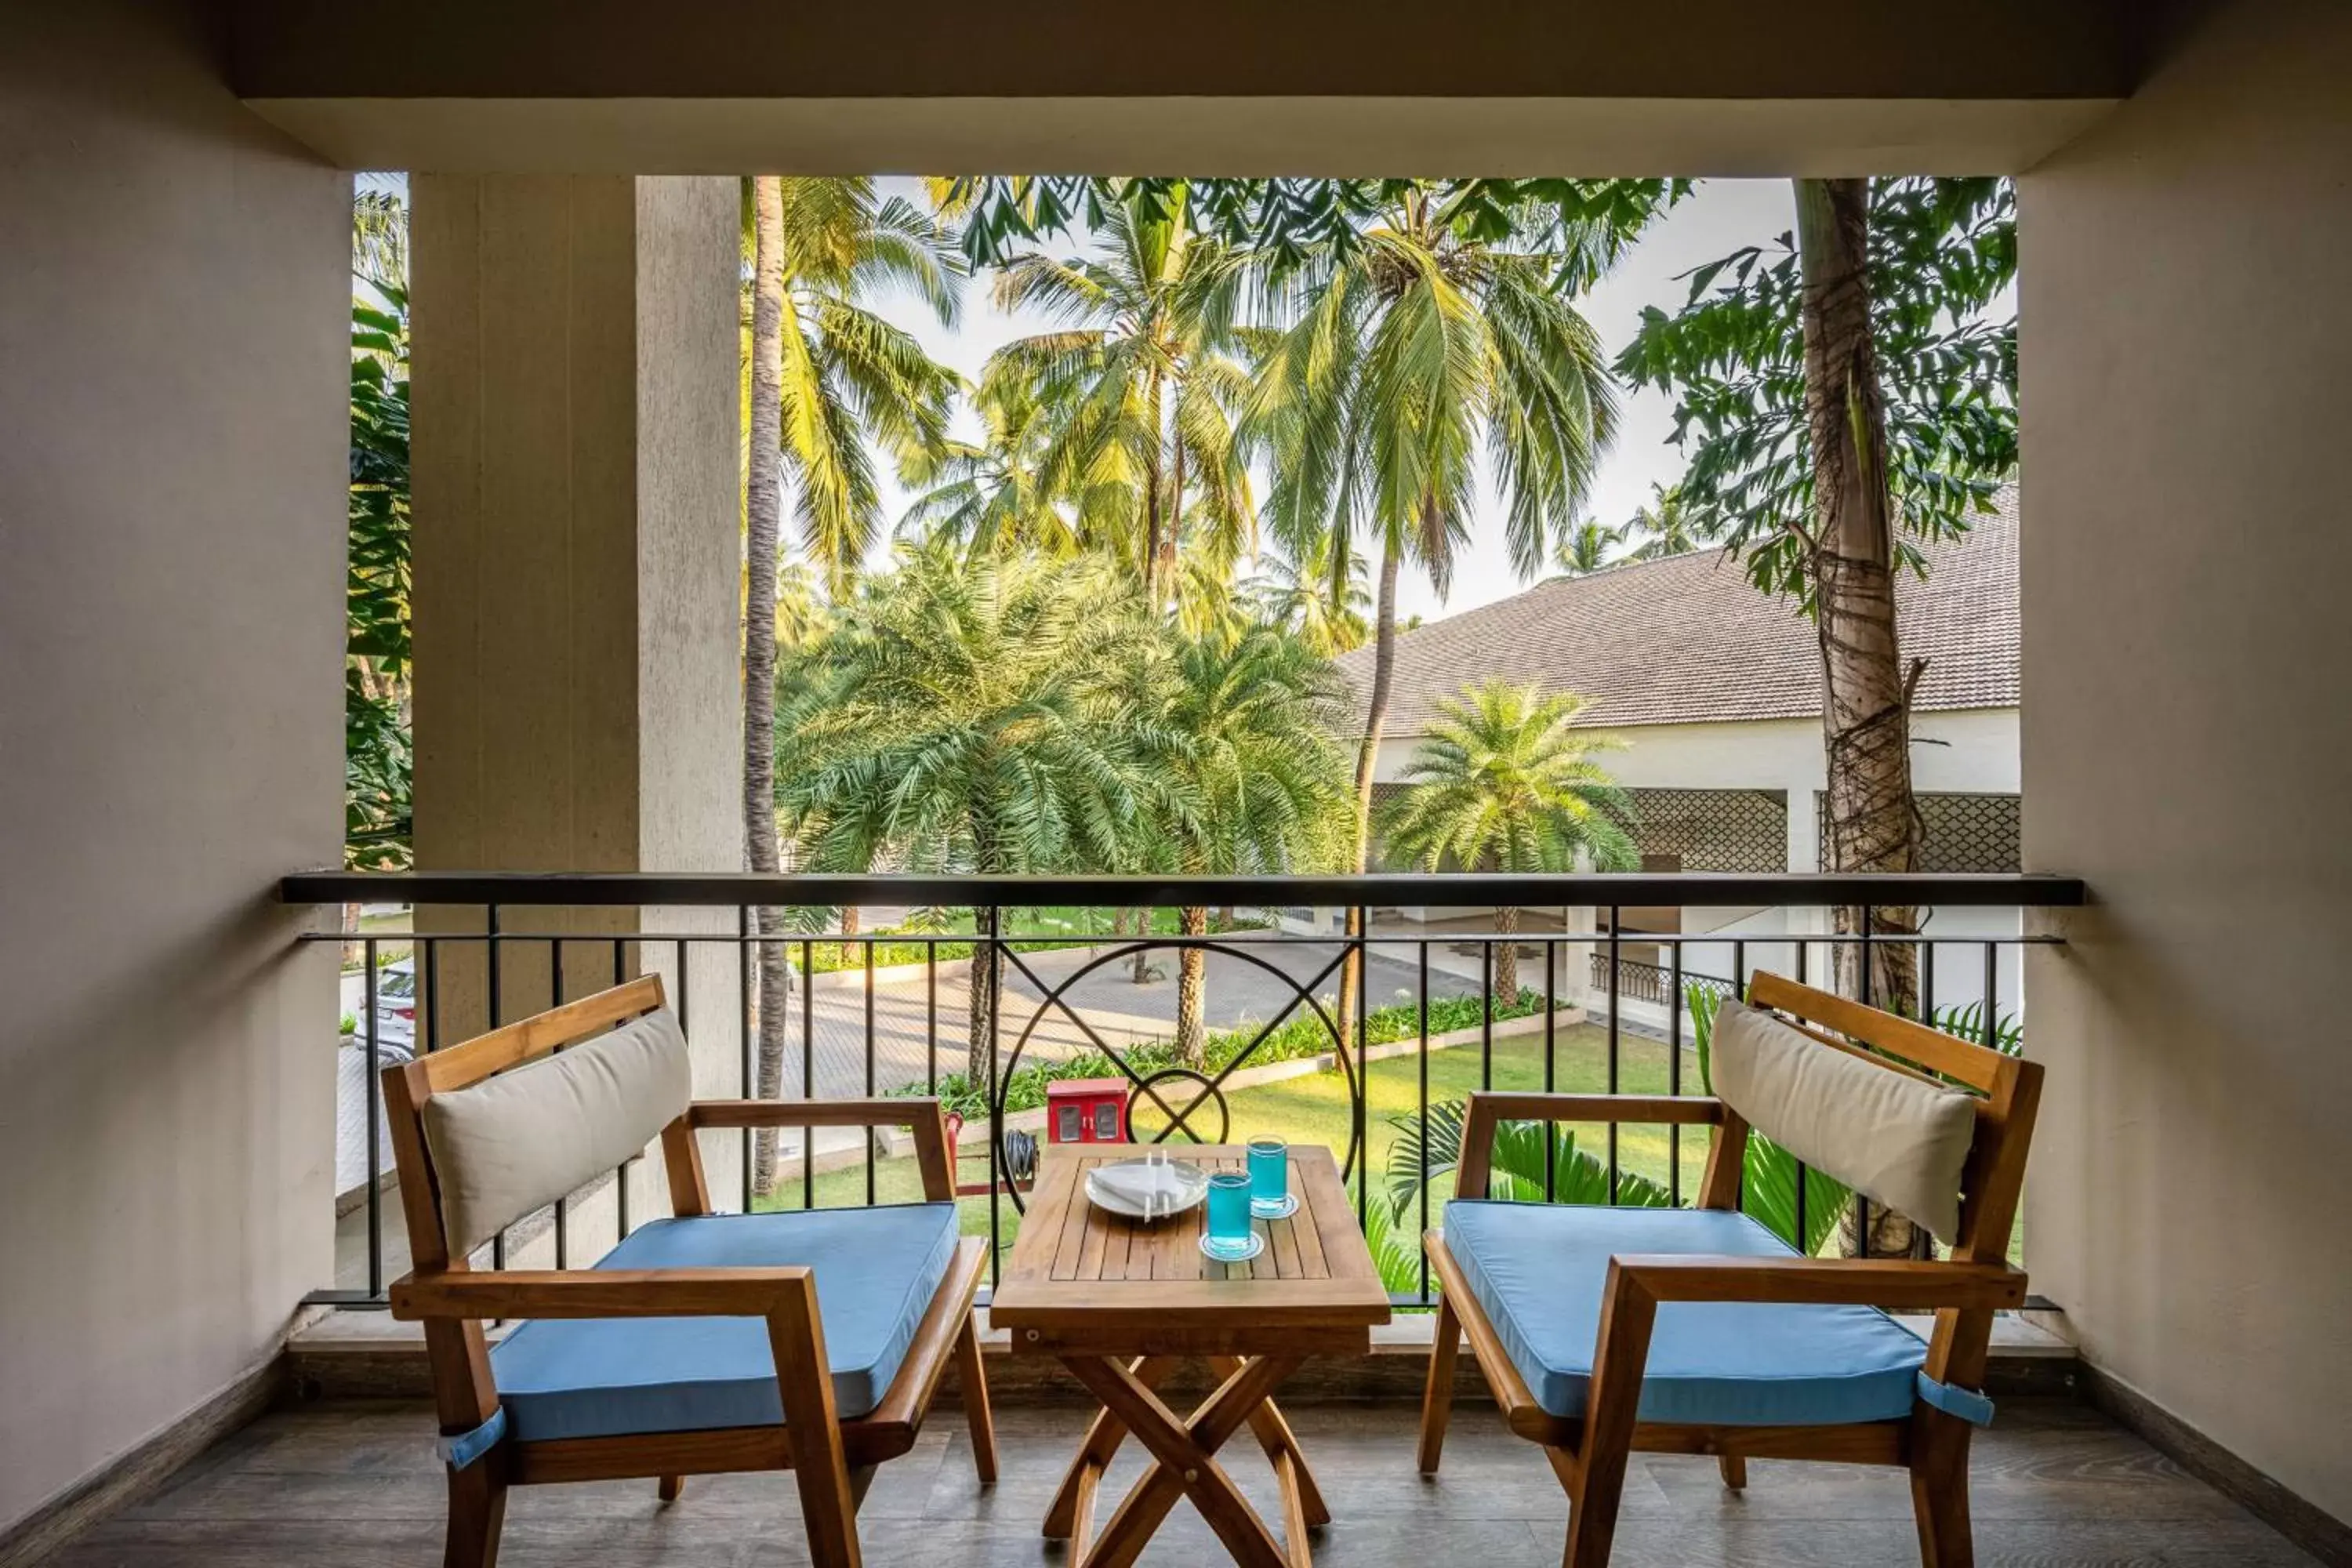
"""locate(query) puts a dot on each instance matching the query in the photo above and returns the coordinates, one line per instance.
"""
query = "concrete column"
(577, 567)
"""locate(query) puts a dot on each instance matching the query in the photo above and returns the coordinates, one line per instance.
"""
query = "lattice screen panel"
(1714, 829)
(1963, 832)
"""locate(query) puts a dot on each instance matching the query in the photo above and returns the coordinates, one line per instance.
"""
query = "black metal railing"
(1047, 955)
(1652, 983)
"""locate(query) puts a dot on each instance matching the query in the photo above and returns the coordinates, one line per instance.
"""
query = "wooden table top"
(1077, 1270)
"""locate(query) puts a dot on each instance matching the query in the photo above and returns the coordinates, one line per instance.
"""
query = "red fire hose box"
(1086, 1111)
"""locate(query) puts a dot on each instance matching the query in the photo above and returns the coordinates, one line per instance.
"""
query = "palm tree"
(1584, 549)
(1505, 781)
(969, 716)
(827, 375)
(1665, 526)
(848, 378)
(1240, 734)
(1140, 389)
(989, 497)
(1296, 595)
(1411, 351)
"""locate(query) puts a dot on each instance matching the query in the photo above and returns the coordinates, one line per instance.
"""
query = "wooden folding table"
(1122, 1304)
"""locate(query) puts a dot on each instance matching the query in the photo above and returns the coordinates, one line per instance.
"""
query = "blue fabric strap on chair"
(466, 1447)
(1968, 1405)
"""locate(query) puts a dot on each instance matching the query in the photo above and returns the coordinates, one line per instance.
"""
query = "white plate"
(1147, 1189)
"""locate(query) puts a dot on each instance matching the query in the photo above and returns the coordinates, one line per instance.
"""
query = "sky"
(1718, 218)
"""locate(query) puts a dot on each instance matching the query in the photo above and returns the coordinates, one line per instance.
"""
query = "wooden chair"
(1660, 1373)
(644, 1364)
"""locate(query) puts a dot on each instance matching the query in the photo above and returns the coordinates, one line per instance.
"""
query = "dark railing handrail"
(1385, 888)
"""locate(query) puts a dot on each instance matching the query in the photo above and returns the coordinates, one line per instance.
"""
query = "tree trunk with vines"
(1873, 820)
(1192, 965)
(762, 515)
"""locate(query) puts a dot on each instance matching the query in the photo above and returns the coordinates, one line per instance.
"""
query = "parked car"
(396, 1003)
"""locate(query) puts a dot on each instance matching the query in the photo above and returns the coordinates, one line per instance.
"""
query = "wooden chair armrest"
(1898, 1284)
(597, 1293)
(919, 1112)
(1637, 1282)
(909, 1111)
(1689, 1109)
(1486, 1109)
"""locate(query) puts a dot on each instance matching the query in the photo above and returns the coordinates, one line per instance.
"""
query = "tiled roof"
(1687, 640)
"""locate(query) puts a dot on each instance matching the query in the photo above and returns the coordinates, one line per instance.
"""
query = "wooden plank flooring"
(355, 1485)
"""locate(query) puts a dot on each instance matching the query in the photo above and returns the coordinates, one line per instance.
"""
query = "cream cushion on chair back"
(1896, 1138)
(514, 1143)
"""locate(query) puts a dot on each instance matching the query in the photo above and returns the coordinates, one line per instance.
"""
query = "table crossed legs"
(1184, 1464)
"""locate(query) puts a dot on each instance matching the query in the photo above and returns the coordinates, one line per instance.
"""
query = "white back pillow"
(1889, 1136)
(514, 1143)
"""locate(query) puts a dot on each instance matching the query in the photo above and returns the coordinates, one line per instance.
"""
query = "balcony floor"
(356, 1485)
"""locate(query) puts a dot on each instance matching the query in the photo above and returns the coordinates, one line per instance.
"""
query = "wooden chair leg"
(672, 1487)
(1735, 1470)
(973, 1380)
(477, 1508)
(1939, 1489)
(1437, 1394)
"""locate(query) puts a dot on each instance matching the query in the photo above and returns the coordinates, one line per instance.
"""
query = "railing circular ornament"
(1182, 1120)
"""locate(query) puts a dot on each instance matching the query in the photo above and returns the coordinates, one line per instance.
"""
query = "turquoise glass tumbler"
(1229, 1215)
(1269, 1172)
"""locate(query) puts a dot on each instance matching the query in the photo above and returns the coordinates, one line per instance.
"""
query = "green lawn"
(1314, 1109)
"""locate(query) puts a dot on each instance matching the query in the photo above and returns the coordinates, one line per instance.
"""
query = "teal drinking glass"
(1229, 1234)
(1269, 1170)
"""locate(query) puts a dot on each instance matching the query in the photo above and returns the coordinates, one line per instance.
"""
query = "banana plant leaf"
(1518, 1173)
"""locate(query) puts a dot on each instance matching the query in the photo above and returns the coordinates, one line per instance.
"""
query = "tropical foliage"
(1505, 781)
(378, 815)
(1940, 253)
(1665, 526)
(1134, 397)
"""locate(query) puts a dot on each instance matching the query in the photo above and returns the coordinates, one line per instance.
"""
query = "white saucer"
(1257, 1246)
(1147, 1189)
(1288, 1207)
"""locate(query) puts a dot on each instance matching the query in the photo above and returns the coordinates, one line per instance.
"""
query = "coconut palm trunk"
(1192, 965)
(762, 514)
(1368, 757)
(1874, 821)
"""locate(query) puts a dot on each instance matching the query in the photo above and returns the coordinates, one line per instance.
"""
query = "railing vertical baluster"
(1991, 990)
(1861, 1204)
(808, 1068)
(869, 1068)
(432, 989)
(621, 1177)
(1801, 945)
(1357, 1111)
(562, 1201)
(1927, 982)
(931, 1018)
(1551, 1064)
(1421, 992)
(1616, 996)
(1675, 1074)
(1798, 1240)
(372, 1096)
(1740, 990)
(747, 954)
(984, 975)
(1487, 1014)
(498, 1242)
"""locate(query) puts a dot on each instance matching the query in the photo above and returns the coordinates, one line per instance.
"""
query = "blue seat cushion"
(877, 1272)
(1538, 1271)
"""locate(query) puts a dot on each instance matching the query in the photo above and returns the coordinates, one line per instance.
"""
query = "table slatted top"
(1075, 1265)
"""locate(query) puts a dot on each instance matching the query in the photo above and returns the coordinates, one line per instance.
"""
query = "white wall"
(1972, 750)
(2188, 740)
(174, 300)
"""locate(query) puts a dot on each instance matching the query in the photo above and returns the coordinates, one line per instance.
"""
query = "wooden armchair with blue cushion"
(1601, 1331)
(810, 1340)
